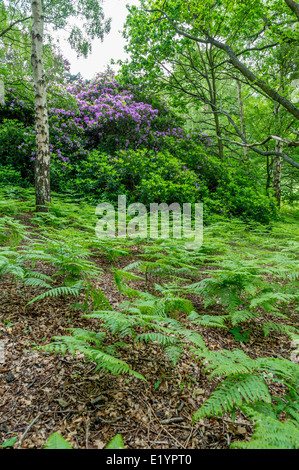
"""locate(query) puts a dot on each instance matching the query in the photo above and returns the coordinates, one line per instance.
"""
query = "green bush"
(8, 175)
(232, 188)
(17, 146)
(140, 174)
(238, 198)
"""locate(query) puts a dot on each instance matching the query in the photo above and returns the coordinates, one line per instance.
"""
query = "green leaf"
(9, 442)
(116, 443)
(56, 441)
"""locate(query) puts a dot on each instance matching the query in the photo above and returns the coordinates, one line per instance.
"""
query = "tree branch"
(270, 92)
(293, 6)
(267, 153)
(5, 31)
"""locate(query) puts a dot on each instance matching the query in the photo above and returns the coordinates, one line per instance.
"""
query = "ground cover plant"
(144, 338)
(211, 333)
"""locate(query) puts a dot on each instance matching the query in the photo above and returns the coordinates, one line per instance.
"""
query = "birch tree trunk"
(42, 159)
(2, 92)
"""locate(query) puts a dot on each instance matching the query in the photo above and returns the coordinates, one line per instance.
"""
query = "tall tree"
(237, 29)
(32, 15)
(203, 49)
(42, 159)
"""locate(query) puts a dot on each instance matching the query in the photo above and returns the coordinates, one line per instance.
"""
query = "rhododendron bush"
(90, 123)
(107, 139)
(111, 118)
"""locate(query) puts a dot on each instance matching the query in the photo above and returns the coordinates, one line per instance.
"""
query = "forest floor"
(42, 393)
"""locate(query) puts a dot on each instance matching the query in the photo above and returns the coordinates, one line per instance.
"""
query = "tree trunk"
(213, 94)
(242, 120)
(2, 92)
(276, 184)
(42, 159)
(268, 180)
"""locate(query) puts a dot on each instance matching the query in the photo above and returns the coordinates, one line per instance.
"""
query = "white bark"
(42, 159)
(2, 92)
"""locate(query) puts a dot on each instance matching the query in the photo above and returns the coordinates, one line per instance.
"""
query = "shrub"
(142, 175)
(17, 146)
(8, 175)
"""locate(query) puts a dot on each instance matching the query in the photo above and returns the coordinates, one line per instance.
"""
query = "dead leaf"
(62, 402)
(99, 444)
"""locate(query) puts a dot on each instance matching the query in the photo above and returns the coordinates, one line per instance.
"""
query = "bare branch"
(275, 137)
(267, 153)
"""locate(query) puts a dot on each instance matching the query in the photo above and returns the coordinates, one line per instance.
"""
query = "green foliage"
(245, 387)
(248, 281)
(9, 442)
(91, 345)
(11, 231)
(9, 175)
(238, 335)
(116, 443)
(232, 393)
(241, 200)
(57, 291)
(17, 142)
(143, 175)
(56, 441)
(270, 434)
(240, 288)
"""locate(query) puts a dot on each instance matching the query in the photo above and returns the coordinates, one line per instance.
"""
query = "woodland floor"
(65, 395)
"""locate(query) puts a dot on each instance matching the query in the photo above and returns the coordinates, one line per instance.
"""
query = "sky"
(102, 52)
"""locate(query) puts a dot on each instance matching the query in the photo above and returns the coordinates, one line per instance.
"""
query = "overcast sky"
(102, 52)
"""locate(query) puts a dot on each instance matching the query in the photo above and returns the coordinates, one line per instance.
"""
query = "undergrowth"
(243, 276)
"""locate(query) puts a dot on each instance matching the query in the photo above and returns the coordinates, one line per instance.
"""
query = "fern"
(245, 388)
(270, 433)
(156, 337)
(173, 354)
(81, 341)
(12, 231)
(271, 326)
(214, 321)
(232, 393)
(239, 316)
(56, 441)
(56, 292)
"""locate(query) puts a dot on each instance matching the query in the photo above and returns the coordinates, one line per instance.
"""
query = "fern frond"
(270, 433)
(173, 354)
(156, 337)
(239, 316)
(224, 363)
(214, 321)
(277, 327)
(232, 393)
(56, 292)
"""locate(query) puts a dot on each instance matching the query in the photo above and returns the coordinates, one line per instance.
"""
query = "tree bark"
(268, 180)
(42, 159)
(294, 6)
(213, 93)
(276, 183)
(2, 92)
(242, 120)
(216, 116)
